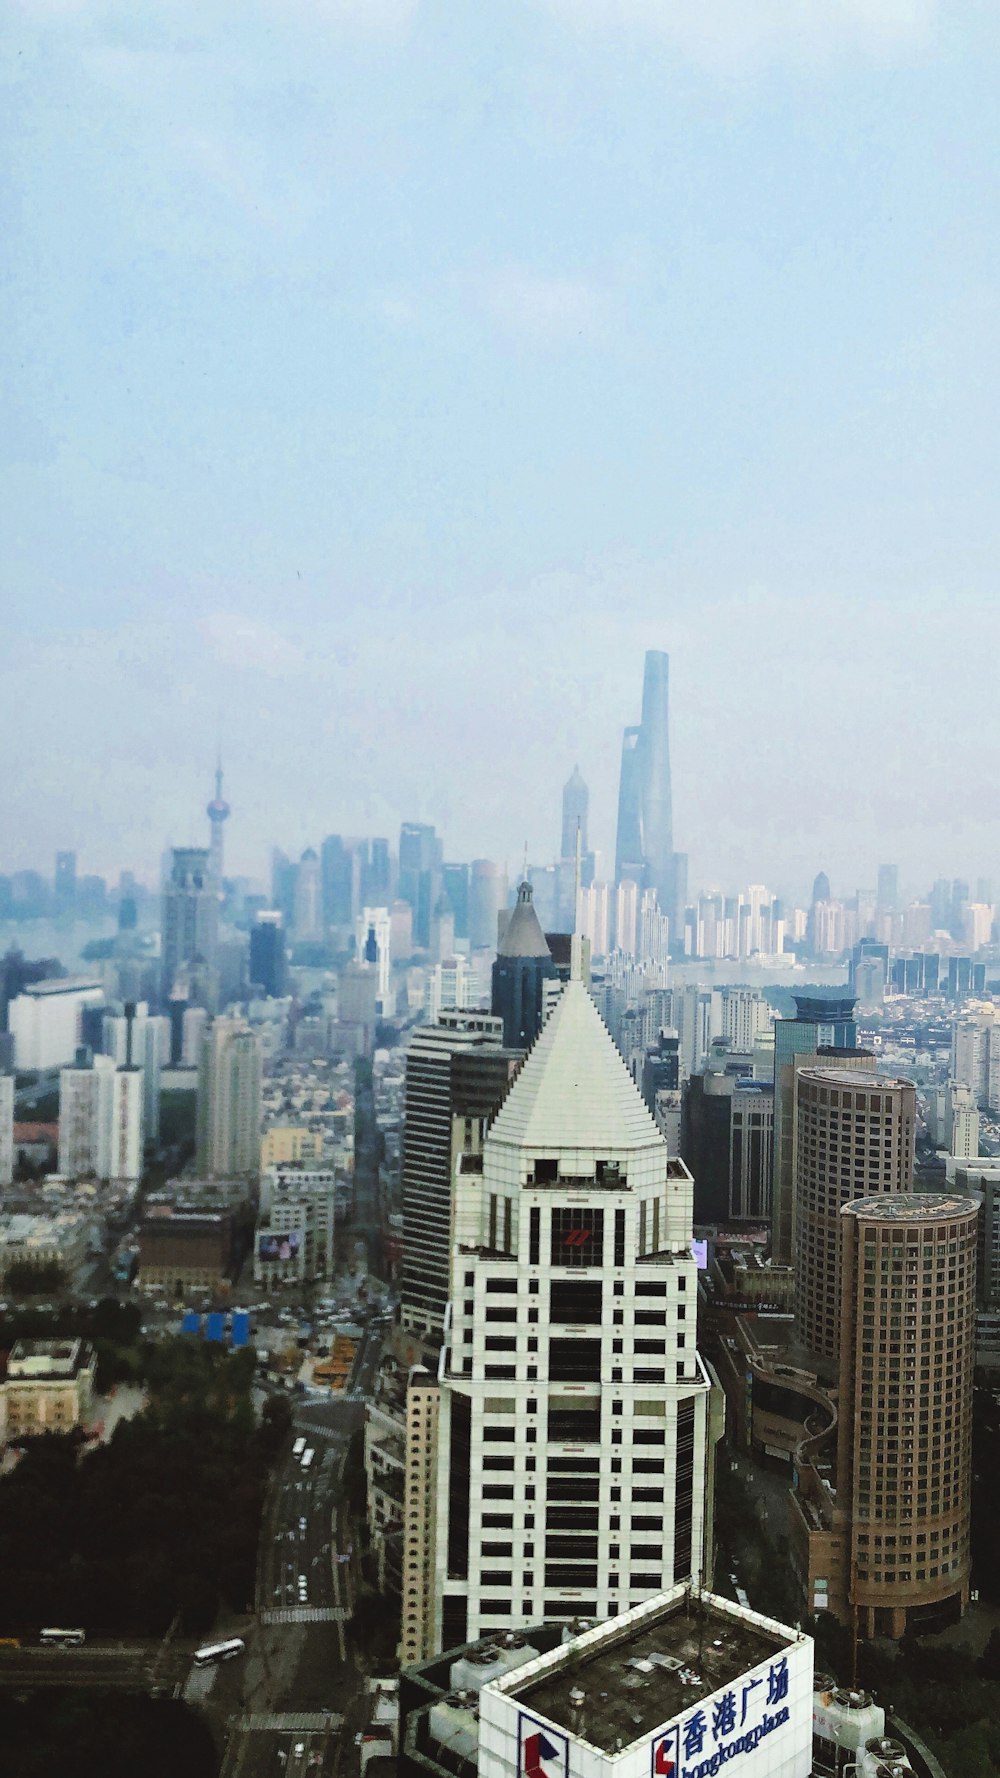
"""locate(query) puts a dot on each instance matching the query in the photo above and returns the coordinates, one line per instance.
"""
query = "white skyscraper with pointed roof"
(572, 1439)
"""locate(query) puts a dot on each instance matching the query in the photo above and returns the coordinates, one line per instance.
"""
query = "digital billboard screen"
(278, 1247)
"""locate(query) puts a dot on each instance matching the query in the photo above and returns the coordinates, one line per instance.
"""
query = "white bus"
(298, 1447)
(63, 1638)
(307, 1457)
(219, 1651)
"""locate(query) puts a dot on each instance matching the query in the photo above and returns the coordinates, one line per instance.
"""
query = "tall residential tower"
(904, 1458)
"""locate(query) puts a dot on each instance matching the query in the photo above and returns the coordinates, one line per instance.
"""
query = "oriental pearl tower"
(218, 815)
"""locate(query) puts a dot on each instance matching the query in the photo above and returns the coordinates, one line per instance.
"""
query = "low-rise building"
(184, 1249)
(285, 1145)
(49, 1387)
(39, 1241)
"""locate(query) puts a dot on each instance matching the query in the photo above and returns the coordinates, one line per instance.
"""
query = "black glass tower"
(524, 963)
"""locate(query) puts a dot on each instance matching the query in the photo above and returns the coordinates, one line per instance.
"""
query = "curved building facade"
(854, 1139)
(904, 1461)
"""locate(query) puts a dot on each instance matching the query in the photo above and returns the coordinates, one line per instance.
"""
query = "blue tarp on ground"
(215, 1325)
(241, 1327)
(191, 1323)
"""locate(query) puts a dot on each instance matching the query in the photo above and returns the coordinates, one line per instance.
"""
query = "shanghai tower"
(644, 851)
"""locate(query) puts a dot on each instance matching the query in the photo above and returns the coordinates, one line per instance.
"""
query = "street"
(297, 1682)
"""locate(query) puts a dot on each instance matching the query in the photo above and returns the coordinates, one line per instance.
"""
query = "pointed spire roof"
(574, 1091)
(524, 936)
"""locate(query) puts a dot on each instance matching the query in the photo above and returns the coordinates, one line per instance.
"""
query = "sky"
(383, 377)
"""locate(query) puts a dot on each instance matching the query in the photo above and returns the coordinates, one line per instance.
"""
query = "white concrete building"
(6, 1128)
(626, 917)
(963, 1118)
(697, 1018)
(745, 1016)
(126, 1130)
(294, 1237)
(977, 924)
(194, 1024)
(85, 1096)
(593, 916)
(150, 1051)
(572, 1461)
(449, 987)
(101, 1121)
(229, 1087)
(45, 1021)
(653, 935)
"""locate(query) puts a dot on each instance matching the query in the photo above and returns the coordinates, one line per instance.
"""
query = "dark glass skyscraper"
(268, 956)
(644, 851)
(420, 853)
(524, 964)
(337, 874)
(457, 1074)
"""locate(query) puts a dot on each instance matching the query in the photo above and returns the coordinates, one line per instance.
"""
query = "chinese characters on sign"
(732, 1724)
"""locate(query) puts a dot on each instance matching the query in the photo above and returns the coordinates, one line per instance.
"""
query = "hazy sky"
(384, 376)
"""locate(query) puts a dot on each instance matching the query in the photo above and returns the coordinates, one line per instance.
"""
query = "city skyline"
(911, 886)
(860, 875)
(500, 889)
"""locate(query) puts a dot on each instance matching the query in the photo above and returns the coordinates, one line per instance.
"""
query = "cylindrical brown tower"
(855, 1133)
(904, 1457)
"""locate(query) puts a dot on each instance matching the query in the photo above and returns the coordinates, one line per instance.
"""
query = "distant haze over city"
(478, 736)
(384, 381)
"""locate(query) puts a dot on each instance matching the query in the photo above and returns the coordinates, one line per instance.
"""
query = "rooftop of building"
(54, 985)
(47, 1359)
(177, 1219)
(645, 1669)
(862, 1079)
(914, 1207)
(824, 1009)
(25, 1228)
(574, 1090)
(523, 935)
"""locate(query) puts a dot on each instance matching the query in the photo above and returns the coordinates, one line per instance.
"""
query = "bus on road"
(298, 1447)
(307, 1457)
(219, 1651)
(62, 1638)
